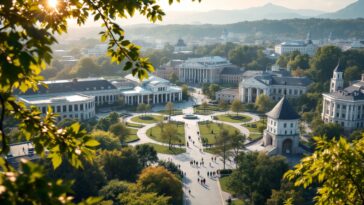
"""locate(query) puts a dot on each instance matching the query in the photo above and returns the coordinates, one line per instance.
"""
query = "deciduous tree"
(336, 168)
(162, 182)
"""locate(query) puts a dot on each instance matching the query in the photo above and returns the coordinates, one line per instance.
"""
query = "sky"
(207, 5)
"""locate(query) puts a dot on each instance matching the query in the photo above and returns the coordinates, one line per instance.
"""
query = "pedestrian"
(189, 191)
(198, 180)
(210, 164)
(208, 174)
(198, 173)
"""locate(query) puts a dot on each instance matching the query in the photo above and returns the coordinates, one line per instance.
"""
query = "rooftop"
(72, 85)
(34, 100)
(283, 111)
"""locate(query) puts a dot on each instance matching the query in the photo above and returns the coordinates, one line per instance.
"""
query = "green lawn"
(210, 109)
(166, 112)
(255, 136)
(132, 137)
(253, 127)
(225, 188)
(165, 150)
(233, 118)
(209, 130)
(156, 133)
(133, 125)
(148, 119)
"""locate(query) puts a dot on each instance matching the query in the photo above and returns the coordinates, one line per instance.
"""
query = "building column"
(249, 95)
(242, 96)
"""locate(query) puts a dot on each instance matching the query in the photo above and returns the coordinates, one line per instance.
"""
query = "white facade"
(273, 85)
(228, 95)
(344, 106)
(282, 133)
(72, 106)
(304, 47)
(153, 90)
(202, 70)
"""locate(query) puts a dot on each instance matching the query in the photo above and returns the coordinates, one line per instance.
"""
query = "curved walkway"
(210, 193)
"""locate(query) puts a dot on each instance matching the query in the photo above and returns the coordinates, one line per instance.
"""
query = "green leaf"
(92, 143)
(75, 127)
(56, 160)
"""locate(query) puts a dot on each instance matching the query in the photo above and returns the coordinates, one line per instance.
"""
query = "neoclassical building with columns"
(203, 70)
(344, 106)
(274, 84)
(153, 90)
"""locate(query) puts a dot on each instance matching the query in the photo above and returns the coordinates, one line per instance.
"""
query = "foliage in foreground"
(337, 167)
(28, 31)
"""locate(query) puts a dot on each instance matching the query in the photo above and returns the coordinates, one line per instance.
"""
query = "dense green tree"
(286, 192)
(83, 187)
(213, 88)
(352, 73)
(146, 155)
(257, 174)
(120, 131)
(112, 190)
(169, 133)
(103, 124)
(237, 144)
(336, 168)
(162, 182)
(140, 198)
(170, 166)
(330, 130)
(107, 140)
(121, 165)
(299, 62)
(223, 145)
(263, 103)
(113, 117)
(236, 106)
(323, 63)
(86, 67)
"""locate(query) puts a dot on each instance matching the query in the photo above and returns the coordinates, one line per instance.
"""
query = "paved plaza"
(210, 193)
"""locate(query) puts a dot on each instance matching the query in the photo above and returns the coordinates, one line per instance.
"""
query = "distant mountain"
(268, 11)
(354, 10)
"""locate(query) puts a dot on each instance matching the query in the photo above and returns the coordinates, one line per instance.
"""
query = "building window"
(44, 110)
(81, 107)
(70, 108)
(58, 108)
(284, 125)
(76, 107)
(64, 108)
(291, 124)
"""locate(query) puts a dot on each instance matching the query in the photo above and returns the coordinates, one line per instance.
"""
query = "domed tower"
(282, 133)
(337, 81)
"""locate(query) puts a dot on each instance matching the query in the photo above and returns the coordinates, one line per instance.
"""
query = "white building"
(202, 70)
(304, 47)
(72, 106)
(282, 133)
(74, 99)
(274, 84)
(344, 106)
(153, 90)
(228, 95)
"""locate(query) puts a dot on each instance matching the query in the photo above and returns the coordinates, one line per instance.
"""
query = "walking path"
(209, 193)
